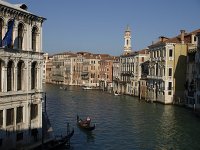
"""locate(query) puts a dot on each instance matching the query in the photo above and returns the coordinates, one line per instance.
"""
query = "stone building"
(93, 69)
(116, 74)
(190, 84)
(197, 75)
(137, 78)
(167, 68)
(106, 72)
(125, 65)
(21, 67)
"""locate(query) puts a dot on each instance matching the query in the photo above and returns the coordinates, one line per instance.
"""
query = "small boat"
(87, 88)
(57, 143)
(116, 93)
(63, 87)
(85, 124)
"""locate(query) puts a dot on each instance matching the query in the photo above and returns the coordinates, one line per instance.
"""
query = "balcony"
(127, 73)
(17, 53)
(84, 73)
(163, 58)
(156, 77)
(192, 48)
(85, 78)
(115, 78)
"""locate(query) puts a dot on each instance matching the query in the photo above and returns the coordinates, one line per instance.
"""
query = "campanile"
(127, 41)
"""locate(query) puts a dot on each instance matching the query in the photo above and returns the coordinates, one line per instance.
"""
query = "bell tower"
(127, 41)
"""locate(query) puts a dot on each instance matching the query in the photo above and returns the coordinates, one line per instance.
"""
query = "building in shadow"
(21, 63)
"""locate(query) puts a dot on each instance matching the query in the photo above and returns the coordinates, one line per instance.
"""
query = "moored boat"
(58, 142)
(87, 88)
(116, 93)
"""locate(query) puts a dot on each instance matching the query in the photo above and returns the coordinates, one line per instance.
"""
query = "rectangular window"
(9, 116)
(34, 111)
(170, 86)
(135, 83)
(1, 118)
(158, 54)
(195, 39)
(170, 72)
(19, 114)
(170, 52)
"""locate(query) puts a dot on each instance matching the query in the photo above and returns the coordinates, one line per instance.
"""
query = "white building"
(169, 70)
(21, 66)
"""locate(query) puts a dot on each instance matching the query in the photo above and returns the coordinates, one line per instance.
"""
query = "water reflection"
(122, 122)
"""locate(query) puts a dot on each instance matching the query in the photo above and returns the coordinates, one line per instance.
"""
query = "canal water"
(122, 122)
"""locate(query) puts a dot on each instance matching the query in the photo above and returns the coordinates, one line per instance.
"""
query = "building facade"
(116, 74)
(137, 83)
(167, 68)
(197, 75)
(21, 74)
(106, 73)
(190, 84)
(48, 72)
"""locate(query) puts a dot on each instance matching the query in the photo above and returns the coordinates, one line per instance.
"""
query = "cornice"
(19, 14)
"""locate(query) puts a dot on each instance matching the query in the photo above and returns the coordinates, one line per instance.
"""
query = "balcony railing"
(156, 77)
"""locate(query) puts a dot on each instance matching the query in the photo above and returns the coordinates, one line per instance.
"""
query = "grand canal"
(122, 122)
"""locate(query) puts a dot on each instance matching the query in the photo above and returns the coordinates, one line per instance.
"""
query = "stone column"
(15, 78)
(38, 77)
(4, 118)
(28, 75)
(4, 79)
(38, 42)
(29, 38)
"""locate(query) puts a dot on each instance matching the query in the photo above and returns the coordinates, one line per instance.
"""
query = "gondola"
(85, 124)
(56, 143)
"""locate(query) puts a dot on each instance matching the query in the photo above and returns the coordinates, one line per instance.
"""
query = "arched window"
(127, 42)
(1, 29)
(34, 38)
(33, 75)
(10, 25)
(10, 75)
(20, 35)
(20, 75)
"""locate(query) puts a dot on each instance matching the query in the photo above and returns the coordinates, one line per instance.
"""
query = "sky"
(98, 26)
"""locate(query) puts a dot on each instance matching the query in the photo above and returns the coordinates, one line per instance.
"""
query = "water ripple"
(122, 122)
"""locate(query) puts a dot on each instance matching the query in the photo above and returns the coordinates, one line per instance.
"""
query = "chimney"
(182, 36)
(162, 38)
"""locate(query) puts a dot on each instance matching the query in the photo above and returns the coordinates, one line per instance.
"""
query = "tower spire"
(127, 41)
